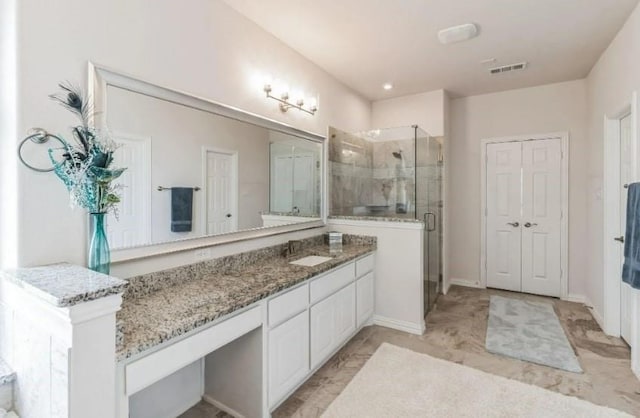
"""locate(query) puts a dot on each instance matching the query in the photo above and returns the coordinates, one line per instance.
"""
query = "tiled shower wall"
(364, 173)
(350, 172)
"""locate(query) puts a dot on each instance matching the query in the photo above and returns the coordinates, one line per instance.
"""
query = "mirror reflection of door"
(132, 226)
(626, 177)
(303, 188)
(220, 193)
(294, 175)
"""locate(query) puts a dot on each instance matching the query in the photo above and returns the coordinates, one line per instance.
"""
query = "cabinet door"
(288, 356)
(345, 313)
(365, 297)
(323, 330)
(332, 321)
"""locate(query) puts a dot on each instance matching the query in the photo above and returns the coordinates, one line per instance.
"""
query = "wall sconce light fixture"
(286, 104)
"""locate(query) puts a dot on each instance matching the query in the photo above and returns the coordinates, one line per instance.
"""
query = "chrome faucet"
(291, 248)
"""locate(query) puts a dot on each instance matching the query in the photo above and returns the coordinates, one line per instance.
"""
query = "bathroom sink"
(310, 261)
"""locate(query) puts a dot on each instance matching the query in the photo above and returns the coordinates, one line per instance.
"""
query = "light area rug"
(529, 331)
(396, 382)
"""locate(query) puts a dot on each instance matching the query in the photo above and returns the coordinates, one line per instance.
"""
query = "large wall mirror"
(197, 169)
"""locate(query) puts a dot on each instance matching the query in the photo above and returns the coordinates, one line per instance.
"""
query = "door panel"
(132, 226)
(503, 209)
(221, 216)
(541, 216)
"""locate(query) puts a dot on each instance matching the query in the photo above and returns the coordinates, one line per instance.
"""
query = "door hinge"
(486, 212)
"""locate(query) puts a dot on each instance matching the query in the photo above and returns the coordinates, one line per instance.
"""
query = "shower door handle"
(427, 223)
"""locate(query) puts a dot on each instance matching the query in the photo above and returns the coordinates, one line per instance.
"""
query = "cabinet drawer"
(365, 265)
(324, 286)
(285, 306)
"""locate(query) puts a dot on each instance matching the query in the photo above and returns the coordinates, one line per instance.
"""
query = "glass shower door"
(429, 209)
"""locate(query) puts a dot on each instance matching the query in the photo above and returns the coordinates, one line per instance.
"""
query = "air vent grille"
(507, 68)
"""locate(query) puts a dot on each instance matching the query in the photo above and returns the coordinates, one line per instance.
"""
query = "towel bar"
(162, 189)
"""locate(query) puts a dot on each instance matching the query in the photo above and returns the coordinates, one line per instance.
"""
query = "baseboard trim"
(410, 327)
(464, 282)
(597, 316)
(576, 298)
(208, 399)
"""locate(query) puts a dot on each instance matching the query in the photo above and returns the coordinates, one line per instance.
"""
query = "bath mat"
(529, 331)
(396, 382)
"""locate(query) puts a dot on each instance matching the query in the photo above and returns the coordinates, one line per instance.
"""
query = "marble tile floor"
(456, 330)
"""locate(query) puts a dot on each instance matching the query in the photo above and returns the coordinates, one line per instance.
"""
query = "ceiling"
(365, 43)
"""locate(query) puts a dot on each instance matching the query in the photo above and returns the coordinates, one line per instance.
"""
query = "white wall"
(609, 87)
(8, 114)
(424, 109)
(205, 48)
(542, 109)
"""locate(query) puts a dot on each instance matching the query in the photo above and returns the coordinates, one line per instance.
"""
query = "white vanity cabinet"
(308, 324)
(365, 297)
(288, 355)
(332, 321)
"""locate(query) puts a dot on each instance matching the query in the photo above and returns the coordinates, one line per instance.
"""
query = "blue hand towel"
(631, 267)
(181, 209)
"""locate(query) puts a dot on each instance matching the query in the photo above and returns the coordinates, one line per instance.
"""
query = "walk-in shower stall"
(391, 174)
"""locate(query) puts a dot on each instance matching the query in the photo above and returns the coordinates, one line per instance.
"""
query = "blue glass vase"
(99, 255)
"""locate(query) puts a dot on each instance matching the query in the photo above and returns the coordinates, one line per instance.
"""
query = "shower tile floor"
(456, 330)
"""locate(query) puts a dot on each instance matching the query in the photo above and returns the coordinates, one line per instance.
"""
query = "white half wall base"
(410, 327)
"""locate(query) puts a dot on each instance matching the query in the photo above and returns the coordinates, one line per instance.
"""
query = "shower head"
(397, 154)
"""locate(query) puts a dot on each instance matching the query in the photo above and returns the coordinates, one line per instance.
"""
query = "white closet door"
(504, 163)
(541, 216)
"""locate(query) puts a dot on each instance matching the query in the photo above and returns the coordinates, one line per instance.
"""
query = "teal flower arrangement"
(85, 168)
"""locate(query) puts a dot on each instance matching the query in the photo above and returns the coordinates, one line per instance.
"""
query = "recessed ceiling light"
(387, 86)
(458, 33)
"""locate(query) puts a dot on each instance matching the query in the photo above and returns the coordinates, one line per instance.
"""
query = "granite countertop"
(376, 218)
(151, 319)
(64, 285)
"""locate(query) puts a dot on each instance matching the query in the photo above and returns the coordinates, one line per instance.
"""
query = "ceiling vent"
(507, 68)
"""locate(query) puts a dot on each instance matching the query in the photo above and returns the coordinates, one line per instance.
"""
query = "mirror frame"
(101, 77)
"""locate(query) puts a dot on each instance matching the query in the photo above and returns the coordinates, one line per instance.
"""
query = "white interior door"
(541, 216)
(133, 225)
(626, 177)
(282, 198)
(221, 180)
(303, 187)
(503, 213)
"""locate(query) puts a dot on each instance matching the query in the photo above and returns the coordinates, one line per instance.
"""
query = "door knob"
(620, 238)
(529, 225)
(228, 215)
(513, 224)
